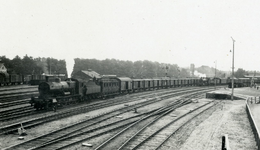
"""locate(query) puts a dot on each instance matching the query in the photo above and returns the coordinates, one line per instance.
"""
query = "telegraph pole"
(215, 74)
(232, 95)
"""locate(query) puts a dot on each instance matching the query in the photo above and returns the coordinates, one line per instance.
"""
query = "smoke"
(45, 66)
(42, 63)
(196, 73)
(70, 64)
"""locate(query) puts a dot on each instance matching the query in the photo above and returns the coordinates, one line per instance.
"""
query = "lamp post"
(232, 95)
(215, 73)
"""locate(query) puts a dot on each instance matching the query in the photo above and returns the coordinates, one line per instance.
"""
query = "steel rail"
(177, 103)
(64, 137)
(165, 126)
(66, 113)
(17, 88)
(183, 125)
(69, 134)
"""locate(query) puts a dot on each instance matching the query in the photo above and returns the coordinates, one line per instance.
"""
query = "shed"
(86, 75)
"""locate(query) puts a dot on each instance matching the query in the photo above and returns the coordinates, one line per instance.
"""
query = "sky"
(167, 31)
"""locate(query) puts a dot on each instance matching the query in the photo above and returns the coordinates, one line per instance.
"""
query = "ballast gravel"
(231, 119)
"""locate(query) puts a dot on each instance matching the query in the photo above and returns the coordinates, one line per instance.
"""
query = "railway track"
(72, 111)
(71, 130)
(4, 94)
(12, 88)
(12, 96)
(87, 126)
(77, 138)
(14, 103)
(177, 135)
(15, 113)
(118, 139)
(15, 97)
(144, 138)
(24, 97)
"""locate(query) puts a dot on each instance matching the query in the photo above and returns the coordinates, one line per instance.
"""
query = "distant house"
(3, 69)
(252, 75)
(86, 75)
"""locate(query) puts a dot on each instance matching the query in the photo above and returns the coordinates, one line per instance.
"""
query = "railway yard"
(168, 118)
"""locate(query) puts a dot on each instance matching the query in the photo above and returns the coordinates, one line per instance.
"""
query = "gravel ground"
(11, 139)
(230, 119)
(162, 135)
(247, 91)
(102, 138)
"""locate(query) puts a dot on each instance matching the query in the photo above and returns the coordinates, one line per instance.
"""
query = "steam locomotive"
(59, 93)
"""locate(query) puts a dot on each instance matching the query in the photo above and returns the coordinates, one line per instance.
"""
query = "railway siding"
(229, 119)
(17, 87)
(51, 117)
(169, 91)
(167, 125)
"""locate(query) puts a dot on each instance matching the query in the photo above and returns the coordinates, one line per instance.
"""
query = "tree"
(137, 69)
(17, 65)
(184, 73)
(28, 65)
(55, 66)
(240, 73)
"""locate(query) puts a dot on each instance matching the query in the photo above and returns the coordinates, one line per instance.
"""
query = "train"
(15, 79)
(238, 82)
(37, 79)
(59, 93)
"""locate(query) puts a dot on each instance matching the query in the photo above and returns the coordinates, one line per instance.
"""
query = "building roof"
(3, 69)
(251, 76)
(124, 79)
(91, 73)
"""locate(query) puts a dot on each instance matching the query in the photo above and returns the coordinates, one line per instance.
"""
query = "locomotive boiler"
(58, 93)
(57, 88)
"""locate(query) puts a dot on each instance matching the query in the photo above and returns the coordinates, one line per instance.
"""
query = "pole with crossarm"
(232, 95)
